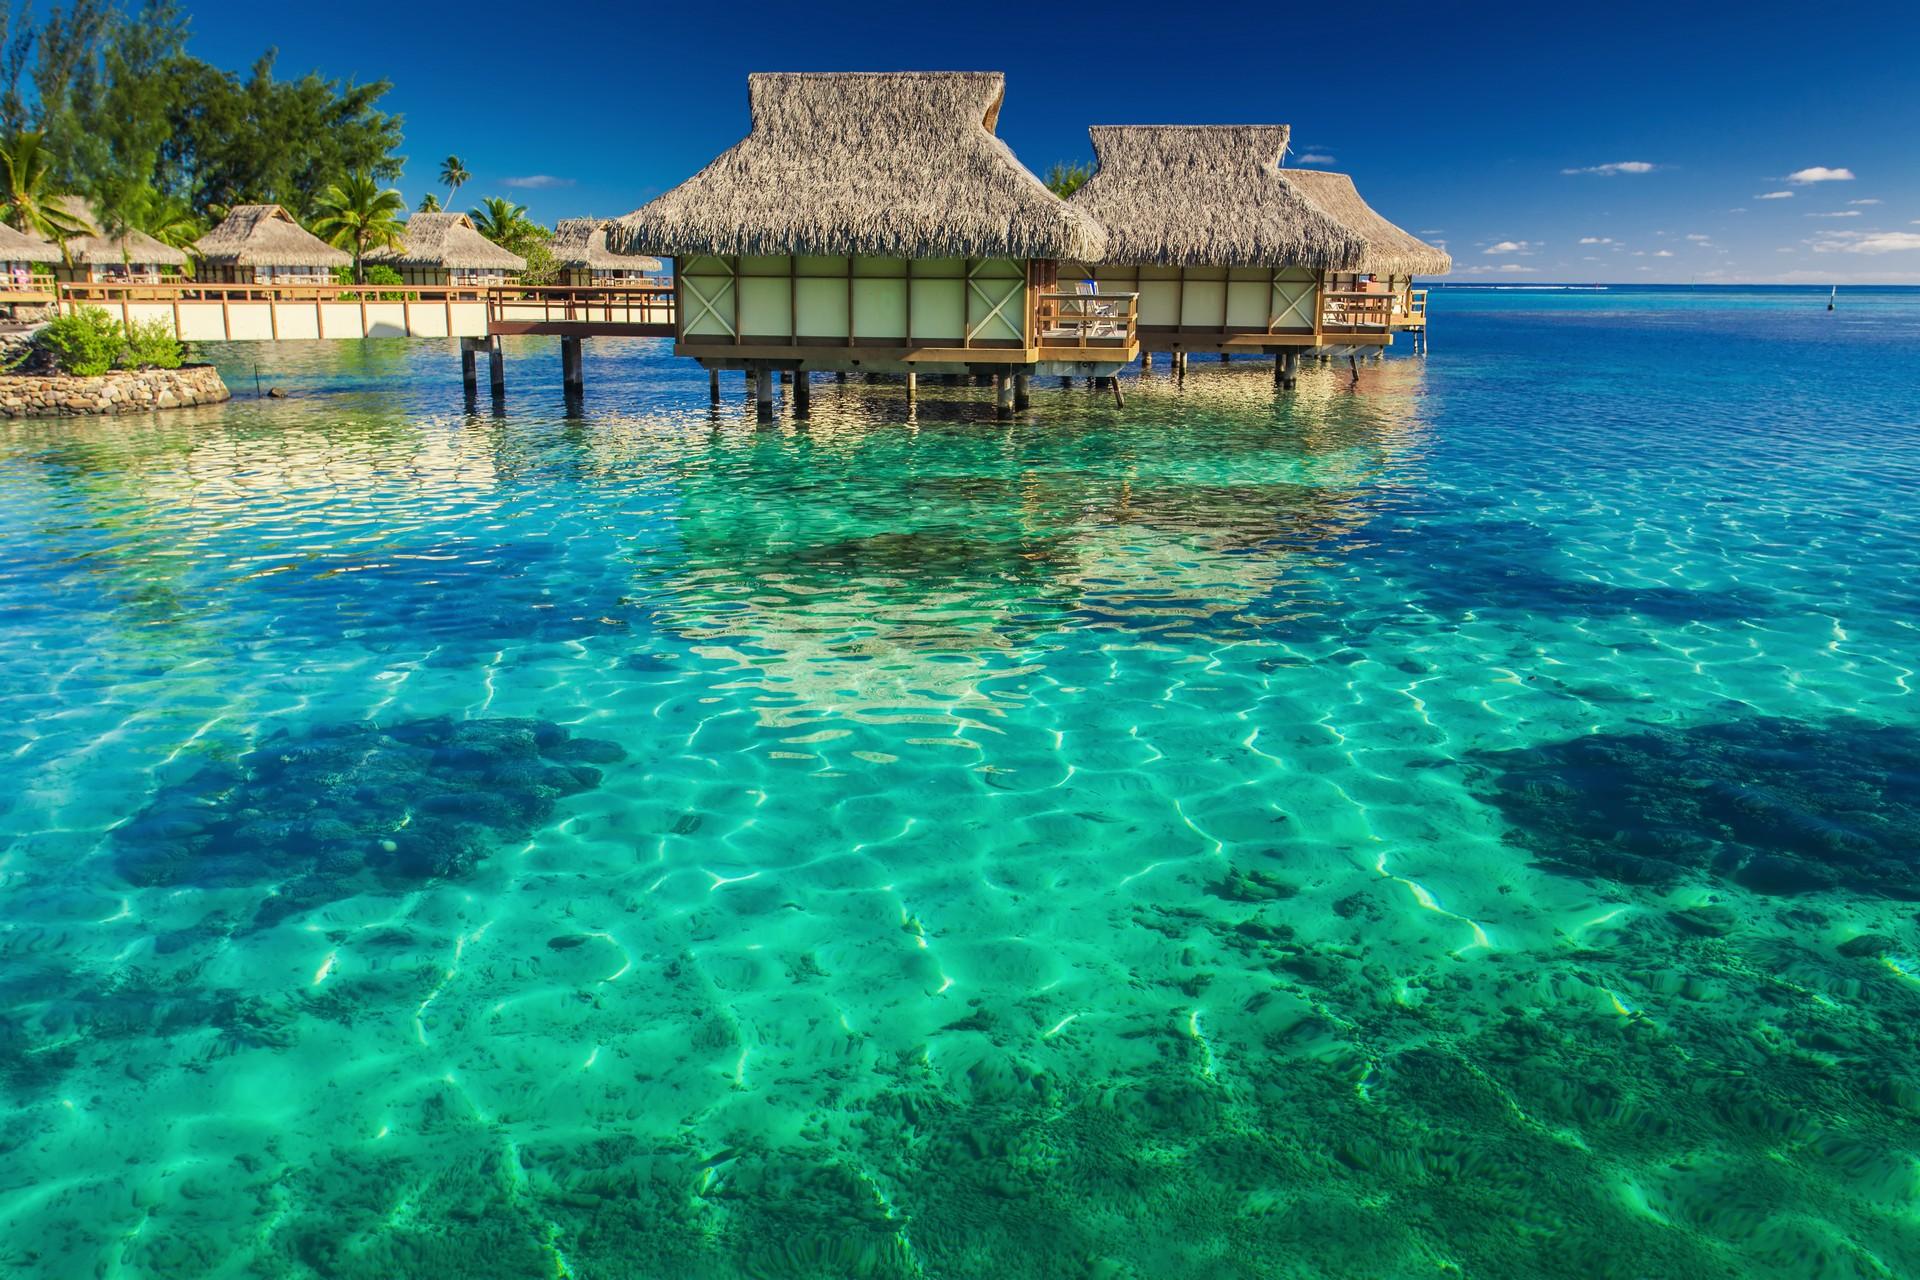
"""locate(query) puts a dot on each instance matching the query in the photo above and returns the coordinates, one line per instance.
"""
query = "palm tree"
(1065, 179)
(358, 215)
(429, 203)
(26, 191)
(501, 221)
(454, 175)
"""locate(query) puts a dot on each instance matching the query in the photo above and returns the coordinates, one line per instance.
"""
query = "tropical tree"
(505, 223)
(1065, 179)
(429, 203)
(454, 175)
(27, 190)
(359, 215)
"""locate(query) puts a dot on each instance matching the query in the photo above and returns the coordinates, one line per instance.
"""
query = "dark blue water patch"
(315, 816)
(1779, 806)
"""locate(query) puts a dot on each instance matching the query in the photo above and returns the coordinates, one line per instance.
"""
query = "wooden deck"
(583, 311)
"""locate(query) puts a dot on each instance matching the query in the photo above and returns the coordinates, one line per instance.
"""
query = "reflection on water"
(1453, 823)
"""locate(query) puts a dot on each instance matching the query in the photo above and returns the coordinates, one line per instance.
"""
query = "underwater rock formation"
(1778, 806)
(405, 802)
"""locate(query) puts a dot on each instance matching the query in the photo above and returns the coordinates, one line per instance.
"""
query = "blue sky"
(1634, 142)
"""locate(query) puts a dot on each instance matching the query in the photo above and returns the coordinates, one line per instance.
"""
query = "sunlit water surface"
(1458, 822)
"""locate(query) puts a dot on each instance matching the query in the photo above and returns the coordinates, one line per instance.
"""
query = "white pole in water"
(1832, 296)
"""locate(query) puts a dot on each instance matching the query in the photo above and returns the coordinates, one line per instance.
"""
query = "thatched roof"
(1207, 196)
(897, 165)
(1390, 251)
(582, 242)
(265, 235)
(97, 250)
(447, 240)
(18, 246)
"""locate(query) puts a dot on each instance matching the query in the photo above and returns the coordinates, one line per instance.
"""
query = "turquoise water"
(1461, 822)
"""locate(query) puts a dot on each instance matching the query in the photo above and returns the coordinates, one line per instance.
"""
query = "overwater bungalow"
(580, 249)
(874, 222)
(25, 259)
(1392, 257)
(96, 258)
(263, 244)
(1226, 254)
(445, 249)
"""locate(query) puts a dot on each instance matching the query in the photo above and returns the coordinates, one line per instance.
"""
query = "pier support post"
(1353, 365)
(572, 376)
(497, 368)
(1119, 397)
(1002, 396)
(469, 368)
(1022, 392)
(913, 387)
(841, 376)
(1225, 357)
(763, 393)
(713, 386)
(1146, 362)
(802, 393)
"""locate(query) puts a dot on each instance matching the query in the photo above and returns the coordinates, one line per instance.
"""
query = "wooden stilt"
(913, 387)
(572, 371)
(802, 394)
(469, 369)
(1146, 362)
(1022, 392)
(763, 393)
(841, 376)
(1067, 383)
(713, 385)
(786, 376)
(1354, 365)
(1226, 357)
(1119, 397)
(1002, 396)
(496, 368)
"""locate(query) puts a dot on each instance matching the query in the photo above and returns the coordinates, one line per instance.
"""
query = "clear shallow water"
(1461, 823)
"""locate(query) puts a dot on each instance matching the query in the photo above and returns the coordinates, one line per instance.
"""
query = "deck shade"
(447, 243)
(1207, 196)
(1389, 250)
(898, 165)
(262, 243)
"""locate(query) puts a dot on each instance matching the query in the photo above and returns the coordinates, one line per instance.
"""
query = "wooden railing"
(1415, 312)
(85, 294)
(1087, 319)
(1356, 309)
(610, 304)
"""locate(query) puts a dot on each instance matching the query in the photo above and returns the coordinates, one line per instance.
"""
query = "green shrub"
(85, 341)
(151, 345)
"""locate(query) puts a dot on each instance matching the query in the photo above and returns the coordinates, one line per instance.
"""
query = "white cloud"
(1618, 166)
(1819, 173)
(1663, 253)
(1502, 268)
(1866, 202)
(1697, 239)
(1596, 239)
(1510, 246)
(1314, 157)
(1869, 242)
(1838, 213)
(1774, 195)
(536, 182)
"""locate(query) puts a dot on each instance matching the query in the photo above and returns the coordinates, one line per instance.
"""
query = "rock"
(26, 395)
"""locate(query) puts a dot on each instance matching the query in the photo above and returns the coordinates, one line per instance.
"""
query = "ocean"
(1455, 820)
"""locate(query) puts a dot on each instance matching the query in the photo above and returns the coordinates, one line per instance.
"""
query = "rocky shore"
(28, 395)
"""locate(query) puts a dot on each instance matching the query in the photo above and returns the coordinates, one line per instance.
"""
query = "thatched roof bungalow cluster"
(133, 257)
(875, 221)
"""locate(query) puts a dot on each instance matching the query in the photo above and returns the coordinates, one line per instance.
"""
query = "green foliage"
(507, 225)
(160, 140)
(1065, 179)
(378, 273)
(27, 191)
(151, 345)
(358, 215)
(84, 342)
(429, 203)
